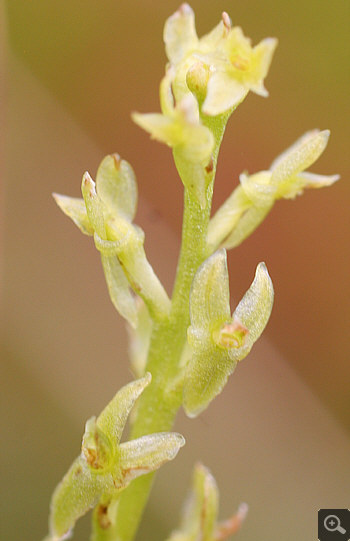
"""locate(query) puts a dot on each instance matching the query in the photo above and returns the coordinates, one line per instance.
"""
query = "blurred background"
(278, 437)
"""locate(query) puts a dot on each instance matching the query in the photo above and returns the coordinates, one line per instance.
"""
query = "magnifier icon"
(332, 524)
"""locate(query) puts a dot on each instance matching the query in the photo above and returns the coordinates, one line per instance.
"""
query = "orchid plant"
(183, 348)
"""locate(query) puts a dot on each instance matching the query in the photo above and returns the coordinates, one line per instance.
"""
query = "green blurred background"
(278, 437)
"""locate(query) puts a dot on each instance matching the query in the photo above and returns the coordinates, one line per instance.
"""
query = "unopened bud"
(197, 79)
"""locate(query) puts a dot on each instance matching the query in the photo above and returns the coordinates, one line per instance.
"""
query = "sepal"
(218, 341)
(148, 453)
(94, 205)
(116, 186)
(74, 208)
(118, 285)
(180, 35)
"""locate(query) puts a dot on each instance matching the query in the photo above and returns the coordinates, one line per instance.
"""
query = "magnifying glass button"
(332, 524)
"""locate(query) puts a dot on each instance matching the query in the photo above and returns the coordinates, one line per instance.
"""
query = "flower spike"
(105, 467)
(217, 339)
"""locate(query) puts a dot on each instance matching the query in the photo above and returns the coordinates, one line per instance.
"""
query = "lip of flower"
(236, 68)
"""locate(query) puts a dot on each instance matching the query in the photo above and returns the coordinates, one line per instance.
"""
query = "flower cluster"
(105, 467)
(106, 212)
(205, 77)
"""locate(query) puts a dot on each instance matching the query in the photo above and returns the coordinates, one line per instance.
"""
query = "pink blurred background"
(278, 437)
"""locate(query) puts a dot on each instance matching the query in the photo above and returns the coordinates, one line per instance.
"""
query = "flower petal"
(119, 289)
(212, 41)
(116, 186)
(180, 35)
(79, 490)
(258, 188)
(226, 218)
(313, 180)
(254, 310)
(93, 205)
(201, 508)
(247, 223)
(210, 294)
(113, 418)
(303, 153)
(206, 375)
(223, 93)
(261, 61)
(139, 339)
(148, 453)
(74, 208)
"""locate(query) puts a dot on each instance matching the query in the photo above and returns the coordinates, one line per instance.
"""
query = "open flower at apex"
(237, 67)
(182, 44)
(234, 66)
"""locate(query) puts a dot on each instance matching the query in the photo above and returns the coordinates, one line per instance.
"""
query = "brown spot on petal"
(102, 516)
(78, 471)
(209, 168)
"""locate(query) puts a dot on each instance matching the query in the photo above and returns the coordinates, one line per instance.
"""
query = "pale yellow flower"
(253, 199)
(234, 66)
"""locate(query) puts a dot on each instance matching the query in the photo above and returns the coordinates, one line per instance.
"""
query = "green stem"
(157, 407)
